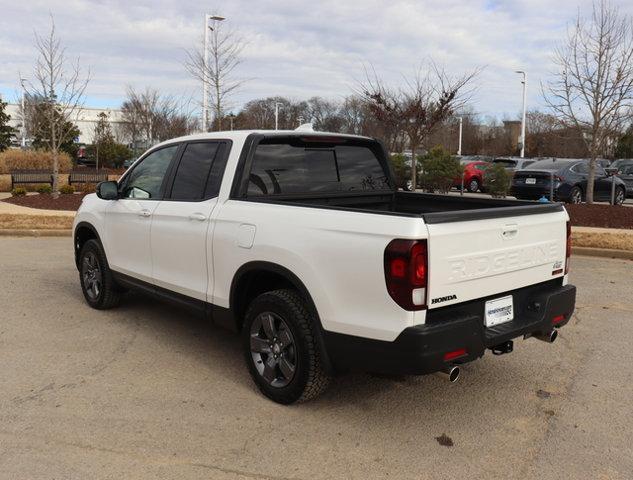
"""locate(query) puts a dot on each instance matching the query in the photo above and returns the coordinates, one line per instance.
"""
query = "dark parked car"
(570, 182)
(624, 168)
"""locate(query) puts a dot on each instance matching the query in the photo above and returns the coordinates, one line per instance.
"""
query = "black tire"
(93, 271)
(575, 195)
(620, 196)
(473, 185)
(290, 315)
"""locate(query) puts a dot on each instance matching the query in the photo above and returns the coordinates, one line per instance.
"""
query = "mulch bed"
(604, 216)
(47, 202)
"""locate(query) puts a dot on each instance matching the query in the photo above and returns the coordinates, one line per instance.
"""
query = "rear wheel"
(619, 196)
(279, 337)
(575, 195)
(473, 185)
(99, 288)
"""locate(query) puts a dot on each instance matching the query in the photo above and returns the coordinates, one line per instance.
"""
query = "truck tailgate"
(471, 259)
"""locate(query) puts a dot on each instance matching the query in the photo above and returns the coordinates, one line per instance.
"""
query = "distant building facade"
(86, 120)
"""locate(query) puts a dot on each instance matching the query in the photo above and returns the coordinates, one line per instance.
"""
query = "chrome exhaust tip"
(450, 373)
(549, 337)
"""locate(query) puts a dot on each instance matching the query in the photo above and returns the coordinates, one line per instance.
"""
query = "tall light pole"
(524, 82)
(205, 68)
(459, 143)
(277, 115)
(22, 80)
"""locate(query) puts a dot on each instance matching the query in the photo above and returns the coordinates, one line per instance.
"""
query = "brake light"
(558, 319)
(406, 272)
(568, 247)
(448, 356)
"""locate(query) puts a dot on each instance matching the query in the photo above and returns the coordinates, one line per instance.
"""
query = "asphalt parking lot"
(146, 391)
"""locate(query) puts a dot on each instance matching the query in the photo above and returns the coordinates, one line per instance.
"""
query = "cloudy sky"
(296, 48)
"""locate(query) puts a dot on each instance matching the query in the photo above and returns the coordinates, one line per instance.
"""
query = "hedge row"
(32, 160)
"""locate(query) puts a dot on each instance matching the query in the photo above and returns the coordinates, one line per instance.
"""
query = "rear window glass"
(548, 165)
(507, 163)
(285, 168)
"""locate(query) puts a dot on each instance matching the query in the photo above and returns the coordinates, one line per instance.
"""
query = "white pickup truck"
(301, 242)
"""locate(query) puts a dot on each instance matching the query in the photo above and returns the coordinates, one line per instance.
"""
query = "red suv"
(474, 173)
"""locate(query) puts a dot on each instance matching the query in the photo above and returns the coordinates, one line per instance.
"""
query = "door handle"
(198, 216)
(145, 213)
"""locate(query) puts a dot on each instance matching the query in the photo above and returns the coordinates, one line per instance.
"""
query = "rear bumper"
(420, 349)
(561, 193)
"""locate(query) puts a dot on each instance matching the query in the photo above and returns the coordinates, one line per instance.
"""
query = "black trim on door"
(198, 306)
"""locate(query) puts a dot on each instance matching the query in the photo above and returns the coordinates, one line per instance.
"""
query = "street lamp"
(277, 115)
(524, 82)
(459, 143)
(22, 80)
(205, 67)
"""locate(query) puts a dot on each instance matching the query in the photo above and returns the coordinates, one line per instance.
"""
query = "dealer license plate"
(530, 181)
(499, 310)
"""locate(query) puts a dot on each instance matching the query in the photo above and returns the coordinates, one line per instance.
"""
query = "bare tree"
(593, 87)
(149, 116)
(419, 106)
(61, 87)
(217, 72)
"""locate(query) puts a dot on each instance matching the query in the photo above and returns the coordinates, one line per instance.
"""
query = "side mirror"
(611, 171)
(108, 190)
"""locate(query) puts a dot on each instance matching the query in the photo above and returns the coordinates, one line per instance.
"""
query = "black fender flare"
(79, 226)
(297, 283)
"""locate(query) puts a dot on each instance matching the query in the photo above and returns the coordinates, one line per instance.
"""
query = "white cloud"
(297, 48)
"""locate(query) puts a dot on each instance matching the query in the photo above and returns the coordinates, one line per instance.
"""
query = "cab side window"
(197, 173)
(146, 180)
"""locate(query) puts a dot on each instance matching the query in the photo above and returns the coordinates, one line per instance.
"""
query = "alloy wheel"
(619, 197)
(576, 197)
(93, 279)
(273, 349)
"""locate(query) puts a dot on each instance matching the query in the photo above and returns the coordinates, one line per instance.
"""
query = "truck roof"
(242, 134)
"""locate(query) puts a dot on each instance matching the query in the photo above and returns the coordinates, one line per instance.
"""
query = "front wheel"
(619, 196)
(473, 185)
(575, 195)
(98, 286)
(280, 347)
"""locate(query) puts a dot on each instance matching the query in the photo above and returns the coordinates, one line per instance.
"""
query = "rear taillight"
(406, 273)
(568, 248)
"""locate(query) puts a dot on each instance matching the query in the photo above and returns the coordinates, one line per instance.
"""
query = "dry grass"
(32, 160)
(614, 241)
(35, 222)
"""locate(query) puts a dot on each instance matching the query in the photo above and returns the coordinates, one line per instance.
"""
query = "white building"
(86, 120)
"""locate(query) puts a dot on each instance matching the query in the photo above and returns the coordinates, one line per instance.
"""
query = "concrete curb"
(34, 233)
(602, 252)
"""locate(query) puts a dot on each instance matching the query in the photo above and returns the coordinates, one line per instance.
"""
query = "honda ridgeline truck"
(301, 242)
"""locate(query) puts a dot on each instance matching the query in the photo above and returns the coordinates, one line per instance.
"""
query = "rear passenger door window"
(199, 173)
(192, 173)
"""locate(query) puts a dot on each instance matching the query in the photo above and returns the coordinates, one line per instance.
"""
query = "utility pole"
(459, 143)
(524, 82)
(22, 80)
(277, 115)
(205, 68)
